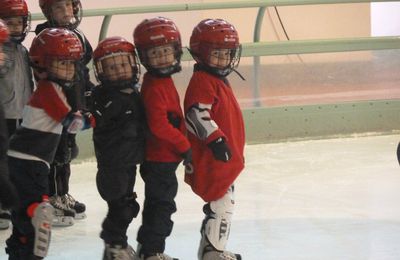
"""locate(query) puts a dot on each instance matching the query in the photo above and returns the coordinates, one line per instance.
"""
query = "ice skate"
(117, 252)
(5, 217)
(208, 252)
(63, 215)
(152, 256)
(78, 207)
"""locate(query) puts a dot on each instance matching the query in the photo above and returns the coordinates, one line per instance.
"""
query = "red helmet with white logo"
(3, 32)
(54, 44)
(15, 8)
(46, 6)
(156, 32)
(214, 34)
(114, 47)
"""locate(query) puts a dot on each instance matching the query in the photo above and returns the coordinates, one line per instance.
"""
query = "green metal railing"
(256, 48)
(298, 121)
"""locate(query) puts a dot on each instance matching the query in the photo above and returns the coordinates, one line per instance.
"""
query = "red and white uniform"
(41, 128)
(211, 112)
(165, 143)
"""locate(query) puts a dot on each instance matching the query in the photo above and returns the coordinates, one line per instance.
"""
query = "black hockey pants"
(116, 188)
(31, 180)
(161, 186)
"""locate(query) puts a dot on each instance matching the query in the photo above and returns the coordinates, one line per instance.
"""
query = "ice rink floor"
(311, 200)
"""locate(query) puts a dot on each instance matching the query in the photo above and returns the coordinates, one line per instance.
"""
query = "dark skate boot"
(63, 215)
(152, 256)
(75, 205)
(117, 252)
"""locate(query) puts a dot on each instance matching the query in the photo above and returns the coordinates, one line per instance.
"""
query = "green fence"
(287, 123)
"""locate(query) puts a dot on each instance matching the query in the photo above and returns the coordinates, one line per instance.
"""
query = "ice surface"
(322, 200)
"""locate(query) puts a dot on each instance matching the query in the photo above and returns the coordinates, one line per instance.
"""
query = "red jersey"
(166, 140)
(219, 115)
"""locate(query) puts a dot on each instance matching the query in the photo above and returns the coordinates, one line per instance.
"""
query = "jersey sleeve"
(199, 100)
(51, 99)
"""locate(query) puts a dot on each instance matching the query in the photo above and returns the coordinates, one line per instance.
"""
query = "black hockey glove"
(8, 193)
(220, 150)
(187, 157)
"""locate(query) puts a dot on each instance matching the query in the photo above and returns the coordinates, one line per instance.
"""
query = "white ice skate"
(117, 252)
(208, 252)
(42, 222)
(4, 219)
(78, 207)
(63, 215)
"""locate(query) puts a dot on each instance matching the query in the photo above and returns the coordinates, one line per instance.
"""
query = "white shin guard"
(217, 224)
(42, 222)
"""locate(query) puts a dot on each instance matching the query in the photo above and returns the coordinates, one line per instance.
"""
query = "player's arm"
(200, 123)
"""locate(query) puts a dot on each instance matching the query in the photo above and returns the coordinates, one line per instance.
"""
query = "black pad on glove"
(220, 150)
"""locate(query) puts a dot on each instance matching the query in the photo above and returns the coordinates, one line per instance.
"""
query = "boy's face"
(161, 56)
(62, 12)
(62, 69)
(15, 25)
(117, 68)
(219, 58)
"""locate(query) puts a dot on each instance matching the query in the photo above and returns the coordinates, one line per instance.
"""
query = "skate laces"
(119, 253)
(69, 200)
(57, 202)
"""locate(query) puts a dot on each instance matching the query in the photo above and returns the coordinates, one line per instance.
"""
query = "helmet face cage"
(16, 8)
(62, 70)
(119, 69)
(221, 61)
(49, 6)
(162, 60)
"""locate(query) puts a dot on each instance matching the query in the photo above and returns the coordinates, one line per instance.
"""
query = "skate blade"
(80, 216)
(61, 221)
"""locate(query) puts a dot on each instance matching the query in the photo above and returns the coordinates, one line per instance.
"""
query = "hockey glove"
(187, 161)
(220, 150)
(8, 193)
(187, 157)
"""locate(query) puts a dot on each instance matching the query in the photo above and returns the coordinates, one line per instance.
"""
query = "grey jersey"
(16, 83)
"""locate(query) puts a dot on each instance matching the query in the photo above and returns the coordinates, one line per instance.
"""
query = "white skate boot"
(78, 207)
(63, 215)
(117, 252)
(5, 217)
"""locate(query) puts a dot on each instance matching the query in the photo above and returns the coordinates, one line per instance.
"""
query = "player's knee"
(221, 207)
(127, 208)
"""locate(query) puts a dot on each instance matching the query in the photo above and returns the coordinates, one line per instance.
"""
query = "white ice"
(311, 200)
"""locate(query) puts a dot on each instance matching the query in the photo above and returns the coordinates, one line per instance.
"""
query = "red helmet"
(3, 32)
(13, 8)
(46, 5)
(112, 47)
(211, 34)
(155, 32)
(54, 43)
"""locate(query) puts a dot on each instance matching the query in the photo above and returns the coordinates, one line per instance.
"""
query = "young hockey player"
(8, 193)
(158, 43)
(54, 54)
(119, 140)
(67, 14)
(16, 76)
(215, 130)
